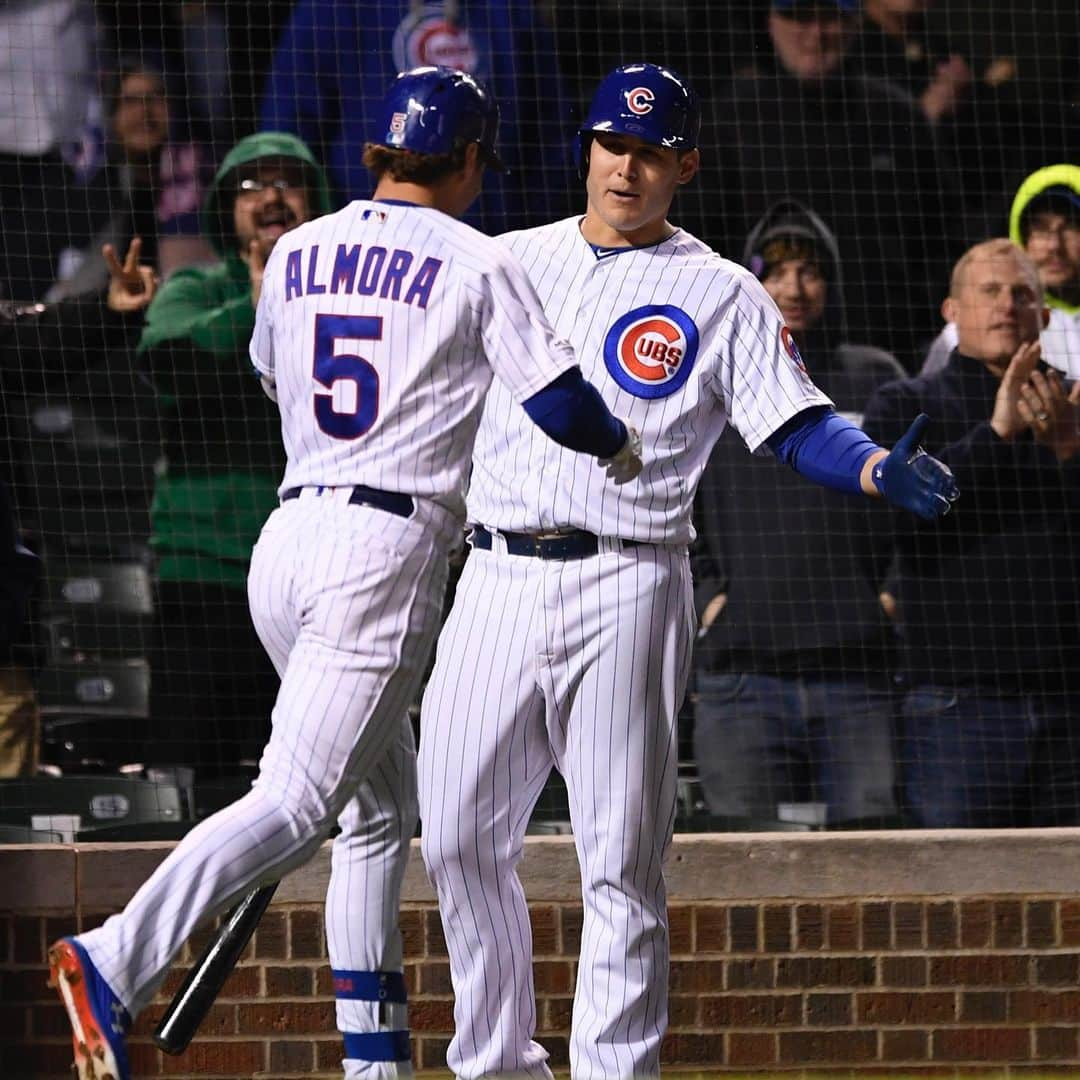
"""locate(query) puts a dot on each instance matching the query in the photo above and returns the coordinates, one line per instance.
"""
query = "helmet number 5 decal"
(351, 406)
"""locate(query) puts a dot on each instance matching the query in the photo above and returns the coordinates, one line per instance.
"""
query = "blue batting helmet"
(433, 110)
(654, 103)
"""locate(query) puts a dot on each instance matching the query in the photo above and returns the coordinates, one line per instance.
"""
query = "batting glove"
(626, 464)
(910, 478)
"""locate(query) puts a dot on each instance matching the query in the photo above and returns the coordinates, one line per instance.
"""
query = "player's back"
(371, 325)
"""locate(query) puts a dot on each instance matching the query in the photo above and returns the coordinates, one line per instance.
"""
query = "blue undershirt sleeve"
(572, 412)
(824, 447)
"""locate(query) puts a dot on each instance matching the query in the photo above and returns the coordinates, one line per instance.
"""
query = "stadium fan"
(794, 657)
(1045, 222)
(47, 74)
(222, 441)
(150, 186)
(881, 186)
(332, 105)
(989, 598)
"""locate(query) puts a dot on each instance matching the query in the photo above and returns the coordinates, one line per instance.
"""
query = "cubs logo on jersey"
(650, 351)
(639, 100)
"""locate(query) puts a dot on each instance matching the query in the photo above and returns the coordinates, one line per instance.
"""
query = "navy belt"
(393, 502)
(569, 545)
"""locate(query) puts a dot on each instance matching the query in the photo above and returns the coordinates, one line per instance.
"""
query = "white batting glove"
(626, 464)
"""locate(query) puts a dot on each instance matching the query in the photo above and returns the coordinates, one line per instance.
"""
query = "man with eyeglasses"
(1045, 222)
(212, 685)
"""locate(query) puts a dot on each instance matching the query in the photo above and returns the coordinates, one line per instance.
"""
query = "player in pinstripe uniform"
(378, 331)
(574, 616)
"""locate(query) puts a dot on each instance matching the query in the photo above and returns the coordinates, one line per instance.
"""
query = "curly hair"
(408, 167)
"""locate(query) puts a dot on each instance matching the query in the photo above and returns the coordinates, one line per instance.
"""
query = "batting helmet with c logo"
(653, 103)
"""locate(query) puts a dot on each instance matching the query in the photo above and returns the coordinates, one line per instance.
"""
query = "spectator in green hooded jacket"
(211, 681)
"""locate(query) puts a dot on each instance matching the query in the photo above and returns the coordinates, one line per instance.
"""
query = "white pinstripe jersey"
(679, 341)
(380, 326)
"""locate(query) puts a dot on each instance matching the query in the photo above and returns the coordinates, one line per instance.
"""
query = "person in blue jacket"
(335, 57)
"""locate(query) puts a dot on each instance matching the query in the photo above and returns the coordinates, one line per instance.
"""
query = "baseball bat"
(192, 1001)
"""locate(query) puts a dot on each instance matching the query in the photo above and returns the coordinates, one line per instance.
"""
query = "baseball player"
(574, 616)
(378, 331)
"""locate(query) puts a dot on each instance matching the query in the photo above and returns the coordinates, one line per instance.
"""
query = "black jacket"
(990, 594)
(802, 566)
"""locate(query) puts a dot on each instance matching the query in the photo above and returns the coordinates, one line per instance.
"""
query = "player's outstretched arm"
(907, 476)
(571, 411)
(836, 453)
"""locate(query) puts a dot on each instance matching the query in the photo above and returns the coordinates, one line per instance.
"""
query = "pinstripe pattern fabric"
(352, 597)
(742, 374)
(577, 665)
(380, 328)
(582, 664)
(418, 381)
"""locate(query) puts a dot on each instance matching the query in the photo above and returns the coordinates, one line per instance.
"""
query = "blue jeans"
(761, 740)
(982, 760)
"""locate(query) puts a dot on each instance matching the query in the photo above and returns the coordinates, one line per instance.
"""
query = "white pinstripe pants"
(347, 601)
(580, 665)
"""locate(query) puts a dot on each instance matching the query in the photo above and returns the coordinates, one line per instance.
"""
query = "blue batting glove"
(910, 478)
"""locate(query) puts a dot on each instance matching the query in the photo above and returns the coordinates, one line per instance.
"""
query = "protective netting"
(856, 667)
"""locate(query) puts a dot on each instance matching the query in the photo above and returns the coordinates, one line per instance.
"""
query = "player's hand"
(626, 464)
(910, 478)
(131, 285)
(711, 613)
(256, 262)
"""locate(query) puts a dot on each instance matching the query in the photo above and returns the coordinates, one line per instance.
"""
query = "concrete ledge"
(717, 867)
(38, 877)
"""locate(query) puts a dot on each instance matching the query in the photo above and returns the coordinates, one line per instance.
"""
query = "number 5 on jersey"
(332, 367)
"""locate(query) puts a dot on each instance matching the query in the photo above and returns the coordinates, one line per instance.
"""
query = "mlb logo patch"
(650, 351)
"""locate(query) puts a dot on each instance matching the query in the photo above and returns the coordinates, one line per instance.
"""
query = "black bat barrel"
(193, 1000)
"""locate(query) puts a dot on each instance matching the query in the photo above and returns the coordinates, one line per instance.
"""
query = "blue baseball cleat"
(98, 1021)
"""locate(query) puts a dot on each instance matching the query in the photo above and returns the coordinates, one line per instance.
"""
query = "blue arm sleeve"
(824, 447)
(572, 412)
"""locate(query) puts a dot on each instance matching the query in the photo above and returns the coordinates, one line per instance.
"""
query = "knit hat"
(1059, 199)
(788, 239)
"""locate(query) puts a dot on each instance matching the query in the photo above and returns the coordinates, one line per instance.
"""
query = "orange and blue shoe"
(98, 1021)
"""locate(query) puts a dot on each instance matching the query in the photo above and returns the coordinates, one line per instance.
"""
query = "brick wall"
(779, 961)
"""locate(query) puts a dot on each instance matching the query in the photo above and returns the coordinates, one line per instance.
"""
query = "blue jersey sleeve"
(572, 412)
(825, 448)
